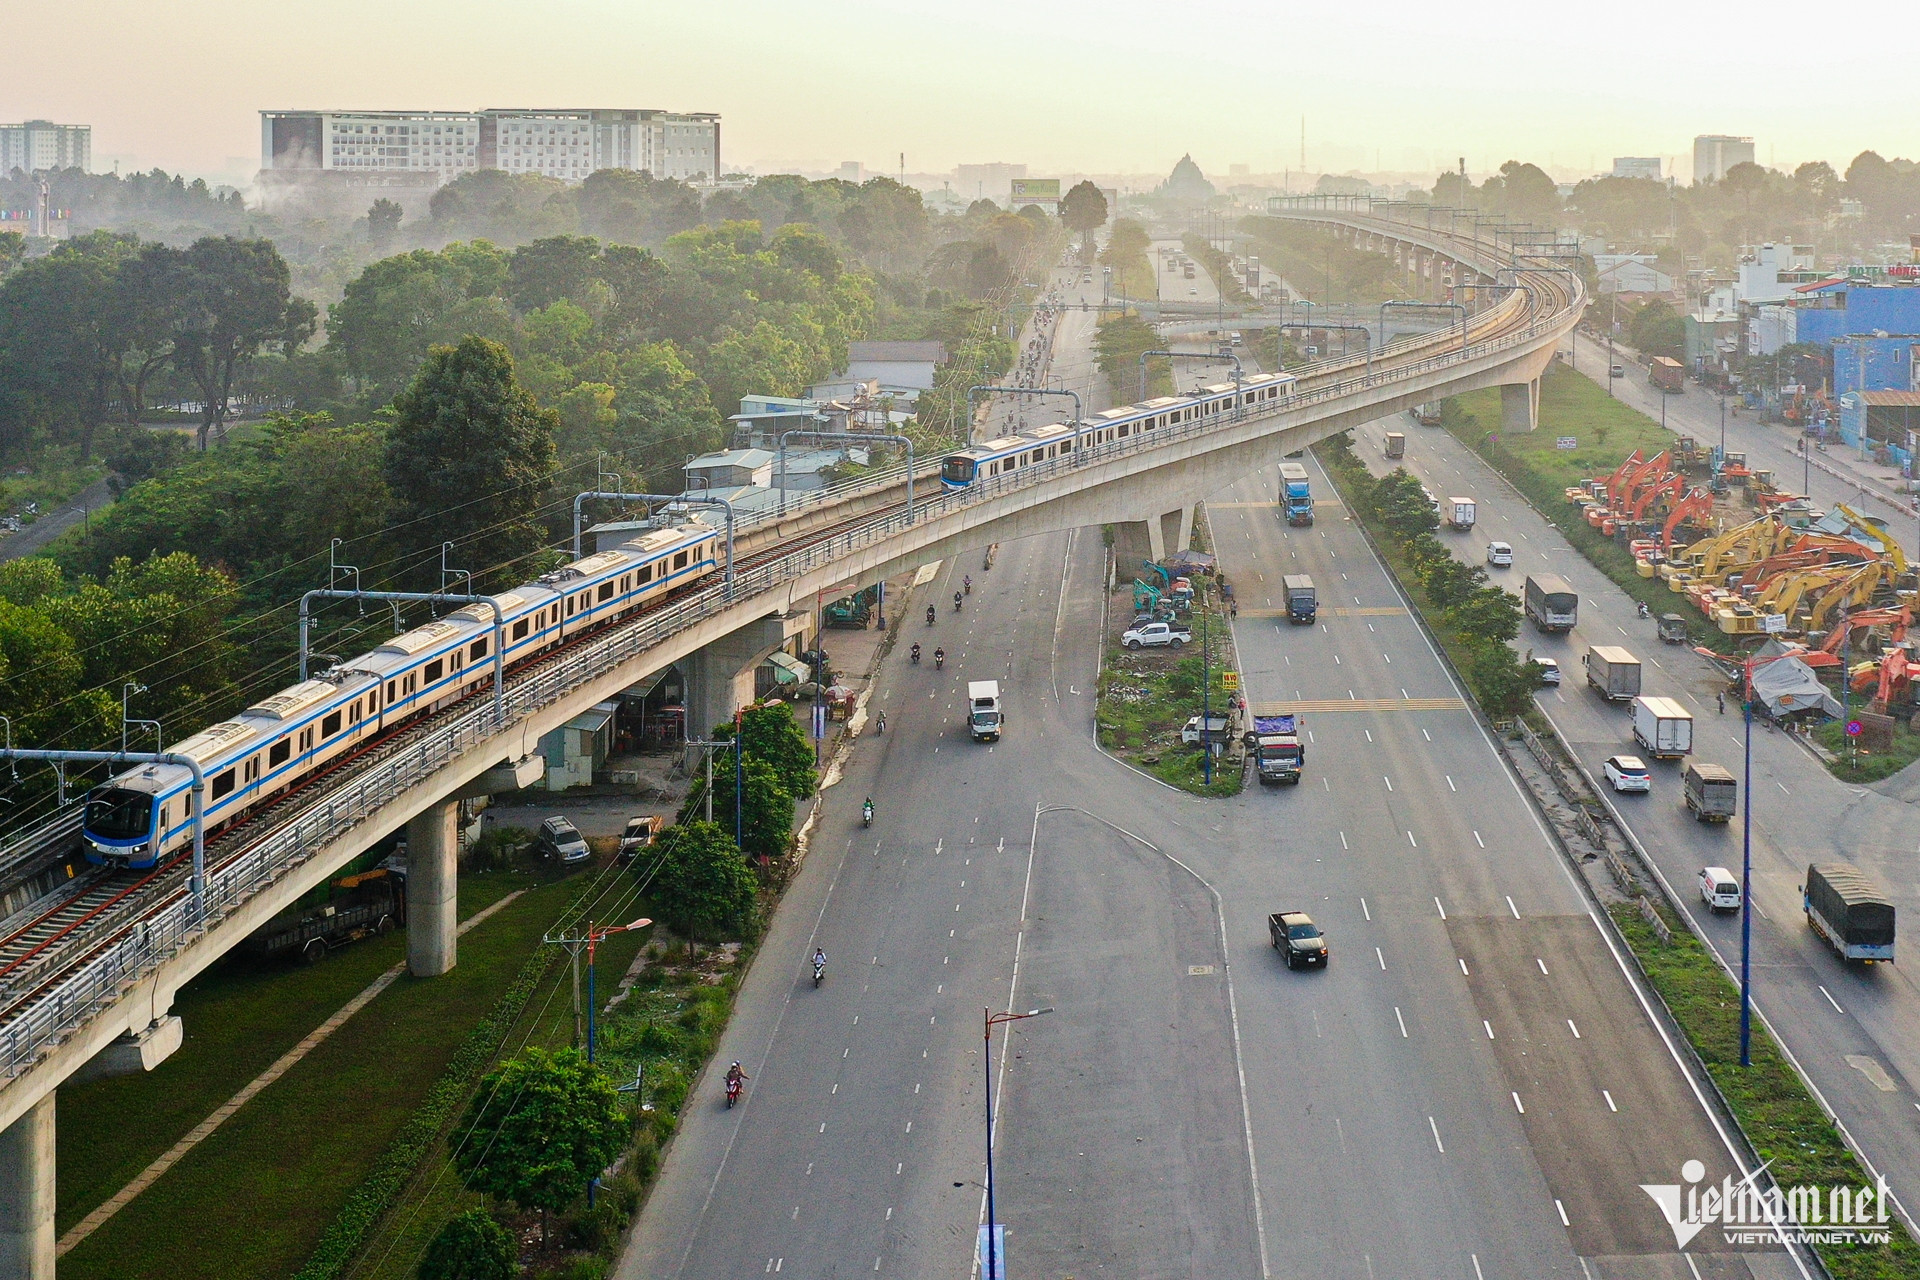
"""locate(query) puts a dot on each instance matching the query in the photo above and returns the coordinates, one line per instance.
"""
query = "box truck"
(1551, 602)
(1849, 911)
(1613, 671)
(1713, 793)
(983, 714)
(1301, 602)
(1296, 496)
(1662, 727)
(1460, 514)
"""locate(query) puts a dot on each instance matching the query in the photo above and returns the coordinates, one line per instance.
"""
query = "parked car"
(1156, 634)
(1618, 371)
(1629, 773)
(1549, 671)
(562, 841)
(639, 835)
(1500, 555)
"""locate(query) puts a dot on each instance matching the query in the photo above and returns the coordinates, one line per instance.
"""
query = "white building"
(1714, 154)
(1631, 273)
(1637, 167)
(1770, 272)
(441, 145)
(39, 145)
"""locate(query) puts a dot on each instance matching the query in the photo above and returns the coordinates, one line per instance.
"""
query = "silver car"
(562, 841)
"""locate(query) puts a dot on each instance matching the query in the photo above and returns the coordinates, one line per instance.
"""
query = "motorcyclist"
(1645, 612)
(881, 722)
(735, 1077)
(967, 582)
(939, 658)
(866, 812)
(914, 653)
(956, 602)
(932, 613)
(819, 959)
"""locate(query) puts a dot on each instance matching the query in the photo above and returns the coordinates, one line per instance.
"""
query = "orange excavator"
(1652, 470)
(1896, 621)
(1673, 486)
(1890, 680)
(1696, 506)
(1627, 466)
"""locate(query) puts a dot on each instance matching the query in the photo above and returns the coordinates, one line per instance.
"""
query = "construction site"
(1813, 606)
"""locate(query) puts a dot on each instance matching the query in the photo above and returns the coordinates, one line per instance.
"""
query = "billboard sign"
(1035, 190)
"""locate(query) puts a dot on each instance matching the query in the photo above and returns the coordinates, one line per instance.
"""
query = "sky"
(1117, 86)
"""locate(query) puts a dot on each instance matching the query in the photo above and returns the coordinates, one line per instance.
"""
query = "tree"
(236, 299)
(766, 810)
(702, 881)
(1658, 330)
(1084, 209)
(1402, 503)
(393, 312)
(1528, 194)
(541, 1126)
(772, 733)
(383, 223)
(13, 247)
(59, 343)
(471, 1247)
(471, 456)
(1489, 613)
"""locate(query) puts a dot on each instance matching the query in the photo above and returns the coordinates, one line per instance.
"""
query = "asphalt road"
(1174, 285)
(1854, 1030)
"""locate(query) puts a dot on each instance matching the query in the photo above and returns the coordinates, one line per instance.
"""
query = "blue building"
(1871, 329)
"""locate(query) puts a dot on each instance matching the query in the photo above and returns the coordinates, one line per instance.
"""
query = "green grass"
(255, 1196)
(1573, 405)
(1867, 766)
(1780, 1117)
(1140, 712)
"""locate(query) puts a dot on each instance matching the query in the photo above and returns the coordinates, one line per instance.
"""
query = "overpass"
(98, 997)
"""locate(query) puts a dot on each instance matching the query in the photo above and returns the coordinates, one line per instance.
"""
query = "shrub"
(470, 1247)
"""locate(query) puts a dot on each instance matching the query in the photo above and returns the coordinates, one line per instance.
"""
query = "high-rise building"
(1637, 167)
(1714, 154)
(40, 145)
(440, 145)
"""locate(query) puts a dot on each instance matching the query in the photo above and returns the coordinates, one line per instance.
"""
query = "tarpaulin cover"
(1788, 685)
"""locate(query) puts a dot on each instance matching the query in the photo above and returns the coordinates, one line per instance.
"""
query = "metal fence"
(38, 1026)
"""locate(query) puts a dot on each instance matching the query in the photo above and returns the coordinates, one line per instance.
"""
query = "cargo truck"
(1296, 496)
(1551, 602)
(1849, 912)
(1278, 755)
(983, 710)
(1460, 514)
(1662, 727)
(1301, 603)
(1613, 671)
(370, 903)
(1396, 444)
(1713, 793)
(1667, 374)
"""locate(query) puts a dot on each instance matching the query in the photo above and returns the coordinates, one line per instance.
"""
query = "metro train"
(141, 816)
(1029, 448)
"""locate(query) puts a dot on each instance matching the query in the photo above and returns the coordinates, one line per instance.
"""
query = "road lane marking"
(1488, 1026)
(1402, 1021)
(1363, 902)
(1830, 1000)
(1369, 734)
(1381, 958)
(1412, 841)
(1387, 780)
(1517, 1105)
(1563, 1213)
(1477, 840)
(1449, 778)
(1543, 966)
(1343, 845)
(1782, 786)
(1388, 657)
(1574, 1029)
(1443, 915)
(1426, 735)
(1357, 703)
(1443, 1150)
(1511, 907)
(1609, 1098)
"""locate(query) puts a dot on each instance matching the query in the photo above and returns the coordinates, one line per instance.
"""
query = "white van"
(1718, 889)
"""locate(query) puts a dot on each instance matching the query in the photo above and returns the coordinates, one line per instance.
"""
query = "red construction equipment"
(1674, 486)
(1894, 674)
(1697, 505)
(1895, 620)
(1632, 461)
(1653, 469)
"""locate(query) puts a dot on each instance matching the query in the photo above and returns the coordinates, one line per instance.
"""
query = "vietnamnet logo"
(1748, 1214)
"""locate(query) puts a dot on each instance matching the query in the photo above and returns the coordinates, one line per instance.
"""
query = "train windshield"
(118, 814)
(957, 470)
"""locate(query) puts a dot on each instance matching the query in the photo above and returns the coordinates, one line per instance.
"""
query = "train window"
(166, 816)
(410, 685)
(222, 784)
(680, 561)
(277, 754)
(330, 725)
(453, 660)
(477, 650)
(435, 670)
(389, 692)
(520, 629)
(646, 573)
(353, 712)
(605, 592)
(569, 606)
(957, 470)
(306, 741)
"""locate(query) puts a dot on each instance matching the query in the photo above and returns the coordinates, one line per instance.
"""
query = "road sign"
(1566, 442)
(1853, 728)
(1230, 680)
(997, 1266)
(819, 722)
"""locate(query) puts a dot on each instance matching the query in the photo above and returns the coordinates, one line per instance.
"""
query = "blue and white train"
(140, 817)
(1029, 448)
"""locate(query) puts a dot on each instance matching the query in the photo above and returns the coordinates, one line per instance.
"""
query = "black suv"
(1298, 939)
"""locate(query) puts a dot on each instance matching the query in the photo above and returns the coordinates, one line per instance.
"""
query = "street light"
(993, 1020)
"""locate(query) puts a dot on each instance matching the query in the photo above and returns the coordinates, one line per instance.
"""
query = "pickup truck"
(1155, 635)
(1297, 938)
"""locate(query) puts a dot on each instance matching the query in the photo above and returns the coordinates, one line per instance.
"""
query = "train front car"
(957, 470)
(117, 828)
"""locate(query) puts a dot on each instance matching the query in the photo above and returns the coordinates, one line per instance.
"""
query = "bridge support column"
(433, 847)
(1170, 532)
(26, 1195)
(1520, 406)
(720, 674)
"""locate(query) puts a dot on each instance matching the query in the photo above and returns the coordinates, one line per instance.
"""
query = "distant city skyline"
(1121, 87)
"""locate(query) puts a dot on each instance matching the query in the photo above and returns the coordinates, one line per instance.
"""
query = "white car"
(1549, 671)
(1155, 634)
(1718, 889)
(1628, 773)
(1500, 555)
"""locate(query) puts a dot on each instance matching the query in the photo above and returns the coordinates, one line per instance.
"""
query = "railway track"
(104, 908)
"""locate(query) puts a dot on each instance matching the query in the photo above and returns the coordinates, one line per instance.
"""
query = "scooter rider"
(967, 583)
(914, 653)
(939, 659)
(956, 602)
(819, 961)
(932, 613)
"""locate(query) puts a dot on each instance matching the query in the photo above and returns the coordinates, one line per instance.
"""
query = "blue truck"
(1296, 499)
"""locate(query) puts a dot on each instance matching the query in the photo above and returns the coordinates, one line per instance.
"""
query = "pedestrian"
(1721, 700)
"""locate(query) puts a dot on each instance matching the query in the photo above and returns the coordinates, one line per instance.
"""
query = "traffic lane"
(1100, 1162)
(1799, 816)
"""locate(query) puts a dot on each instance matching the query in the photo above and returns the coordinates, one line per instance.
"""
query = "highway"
(1473, 1065)
(1854, 1030)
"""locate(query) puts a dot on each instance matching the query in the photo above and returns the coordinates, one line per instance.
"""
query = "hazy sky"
(1113, 86)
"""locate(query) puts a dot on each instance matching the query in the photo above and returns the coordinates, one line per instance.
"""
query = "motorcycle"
(967, 583)
(880, 723)
(819, 971)
(956, 602)
(866, 814)
(932, 613)
(735, 1079)
(939, 659)
(1645, 612)
(914, 653)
